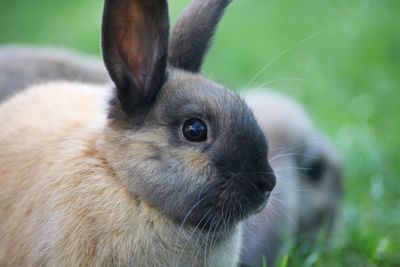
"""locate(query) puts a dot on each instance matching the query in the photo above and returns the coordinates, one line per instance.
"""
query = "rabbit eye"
(195, 130)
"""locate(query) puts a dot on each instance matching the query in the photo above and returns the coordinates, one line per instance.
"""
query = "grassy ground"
(340, 58)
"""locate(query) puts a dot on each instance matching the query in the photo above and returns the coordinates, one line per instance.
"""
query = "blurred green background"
(340, 58)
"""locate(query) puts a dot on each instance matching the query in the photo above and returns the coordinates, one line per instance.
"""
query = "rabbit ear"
(134, 45)
(192, 33)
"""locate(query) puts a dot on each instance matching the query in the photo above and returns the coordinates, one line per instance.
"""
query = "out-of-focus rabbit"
(22, 66)
(158, 171)
(307, 196)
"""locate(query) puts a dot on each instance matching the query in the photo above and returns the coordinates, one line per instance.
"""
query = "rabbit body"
(61, 202)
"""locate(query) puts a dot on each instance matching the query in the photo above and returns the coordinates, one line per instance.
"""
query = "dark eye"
(315, 171)
(194, 130)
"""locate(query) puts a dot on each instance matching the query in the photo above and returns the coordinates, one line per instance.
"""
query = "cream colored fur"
(61, 203)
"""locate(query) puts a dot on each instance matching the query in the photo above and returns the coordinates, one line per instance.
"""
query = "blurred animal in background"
(306, 201)
(23, 66)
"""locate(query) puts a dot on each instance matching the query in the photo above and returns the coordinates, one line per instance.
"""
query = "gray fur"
(234, 154)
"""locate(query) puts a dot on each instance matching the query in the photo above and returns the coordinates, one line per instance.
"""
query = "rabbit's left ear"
(192, 33)
(134, 45)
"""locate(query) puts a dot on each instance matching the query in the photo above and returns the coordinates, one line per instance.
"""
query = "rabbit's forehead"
(191, 91)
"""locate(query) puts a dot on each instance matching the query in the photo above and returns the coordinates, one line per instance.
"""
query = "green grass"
(340, 58)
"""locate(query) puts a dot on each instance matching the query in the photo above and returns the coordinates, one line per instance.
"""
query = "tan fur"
(61, 202)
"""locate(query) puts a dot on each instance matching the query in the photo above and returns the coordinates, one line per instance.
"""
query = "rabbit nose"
(268, 181)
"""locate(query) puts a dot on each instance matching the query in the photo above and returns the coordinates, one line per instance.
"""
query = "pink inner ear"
(135, 39)
(138, 60)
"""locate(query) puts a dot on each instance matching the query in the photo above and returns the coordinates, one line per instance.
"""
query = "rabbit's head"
(183, 144)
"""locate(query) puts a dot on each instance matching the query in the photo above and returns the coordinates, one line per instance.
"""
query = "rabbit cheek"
(167, 179)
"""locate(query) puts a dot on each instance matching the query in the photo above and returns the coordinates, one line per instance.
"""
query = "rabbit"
(307, 197)
(21, 66)
(315, 157)
(158, 169)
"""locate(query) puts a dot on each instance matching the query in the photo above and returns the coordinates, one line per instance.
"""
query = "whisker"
(274, 59)
(283, 155)
(285, 79)
(303, 144)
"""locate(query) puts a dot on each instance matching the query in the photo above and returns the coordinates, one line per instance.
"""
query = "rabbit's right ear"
(134, 46)
(192, 33)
